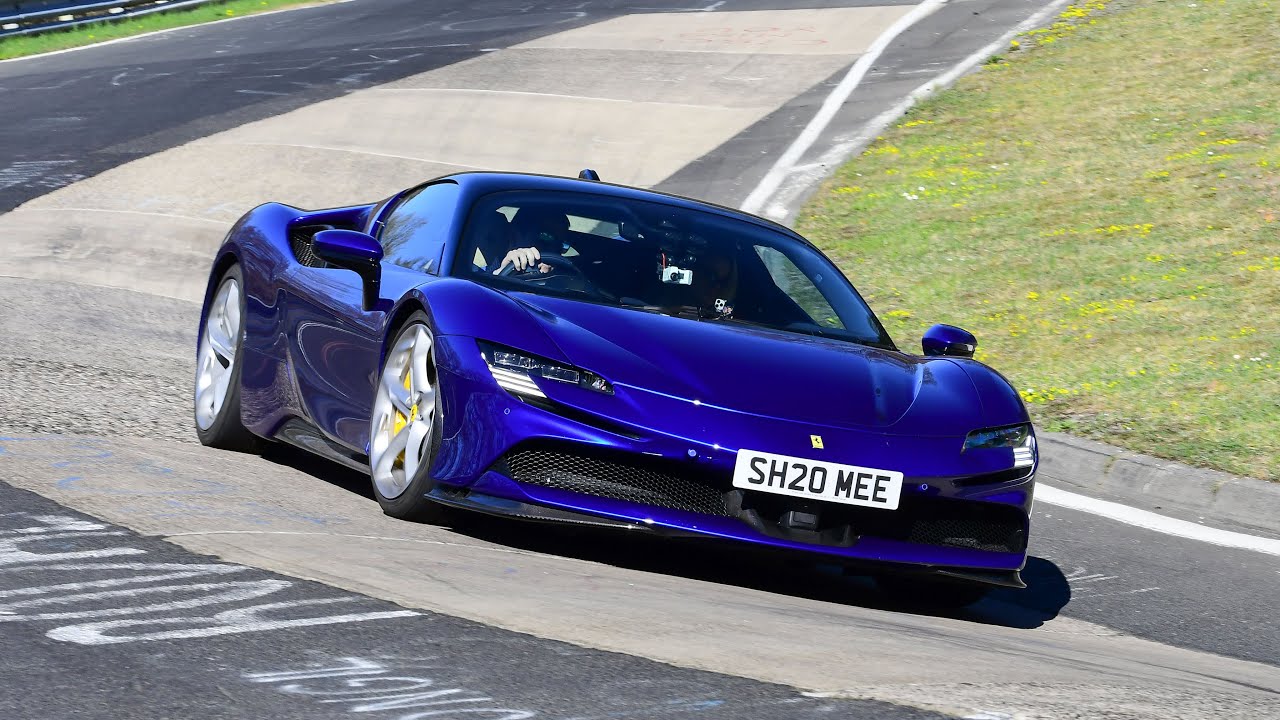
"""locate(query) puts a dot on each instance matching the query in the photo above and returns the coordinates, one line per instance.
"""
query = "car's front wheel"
(218, 361)
(406, 428)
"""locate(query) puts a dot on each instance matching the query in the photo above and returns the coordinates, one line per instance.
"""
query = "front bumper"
(485, 427)
(542, 511)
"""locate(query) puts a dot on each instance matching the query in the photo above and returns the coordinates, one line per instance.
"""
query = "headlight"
(1018, 437)
(515, 372)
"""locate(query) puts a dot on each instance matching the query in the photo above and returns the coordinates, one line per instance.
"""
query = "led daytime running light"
(1025, 455)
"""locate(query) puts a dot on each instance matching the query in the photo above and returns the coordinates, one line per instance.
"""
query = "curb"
(1162, 486)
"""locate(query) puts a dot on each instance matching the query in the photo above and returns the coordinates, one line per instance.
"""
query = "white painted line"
(328, 148)
(298, 533)
(710, 8)
(526, 93)
(1152, 521)
(773, 179)
(804, 176)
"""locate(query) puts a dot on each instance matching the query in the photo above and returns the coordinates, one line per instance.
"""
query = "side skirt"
(303, 436)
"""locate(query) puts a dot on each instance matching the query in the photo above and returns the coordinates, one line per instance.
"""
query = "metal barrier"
(27, 17)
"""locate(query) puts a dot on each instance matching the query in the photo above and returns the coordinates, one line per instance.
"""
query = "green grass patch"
(126, 27)
(1100, 205)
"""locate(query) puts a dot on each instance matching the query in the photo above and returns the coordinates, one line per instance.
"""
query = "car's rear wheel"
(930, 594)
(218, 365)
(405, 429)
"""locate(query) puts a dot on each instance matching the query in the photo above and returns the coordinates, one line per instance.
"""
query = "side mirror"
(948, 341)
(354, 251)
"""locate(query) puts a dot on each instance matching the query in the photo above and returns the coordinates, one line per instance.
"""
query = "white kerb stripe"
(787, 161)
(1152, 521)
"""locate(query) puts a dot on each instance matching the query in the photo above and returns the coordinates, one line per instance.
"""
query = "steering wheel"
(557, 262)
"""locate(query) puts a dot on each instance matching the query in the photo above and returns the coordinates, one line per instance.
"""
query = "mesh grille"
(991, 534)
(619, 481)
(946, 524)
(300, 243)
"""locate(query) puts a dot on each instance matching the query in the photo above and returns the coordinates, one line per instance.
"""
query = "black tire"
(227, 431)
(412, 504)
(928, 594)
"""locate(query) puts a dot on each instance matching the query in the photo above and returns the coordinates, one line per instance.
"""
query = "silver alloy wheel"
(404, 413)
(216, 359)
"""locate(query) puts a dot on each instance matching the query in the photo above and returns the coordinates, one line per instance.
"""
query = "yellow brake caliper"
(400, 420)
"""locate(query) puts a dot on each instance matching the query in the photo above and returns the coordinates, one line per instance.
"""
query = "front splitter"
(464, 499)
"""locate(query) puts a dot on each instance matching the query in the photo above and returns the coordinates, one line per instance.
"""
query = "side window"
(417, 228)
(792, 281)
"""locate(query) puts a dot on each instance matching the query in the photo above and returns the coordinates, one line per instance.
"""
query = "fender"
(1001, 404)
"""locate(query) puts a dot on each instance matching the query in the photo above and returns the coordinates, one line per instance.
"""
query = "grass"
(126, 27)
(1101, 206)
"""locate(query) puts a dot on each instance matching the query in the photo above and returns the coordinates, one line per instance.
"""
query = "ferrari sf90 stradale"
(567, 350)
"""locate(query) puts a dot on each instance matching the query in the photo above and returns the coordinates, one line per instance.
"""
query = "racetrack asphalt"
(113, 363)
(105, 610)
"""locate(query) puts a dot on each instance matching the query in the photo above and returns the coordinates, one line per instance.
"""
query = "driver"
(493, 238)
(538, 231)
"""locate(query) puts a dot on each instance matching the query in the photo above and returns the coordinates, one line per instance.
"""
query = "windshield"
(653, 257)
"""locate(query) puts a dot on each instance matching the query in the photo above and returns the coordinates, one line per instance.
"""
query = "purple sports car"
(571, 351)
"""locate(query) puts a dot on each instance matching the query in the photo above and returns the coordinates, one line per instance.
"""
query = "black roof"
(484, 182)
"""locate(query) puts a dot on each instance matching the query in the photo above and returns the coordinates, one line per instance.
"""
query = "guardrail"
(28, 17)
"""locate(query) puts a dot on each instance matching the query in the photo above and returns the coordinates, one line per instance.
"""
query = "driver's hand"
(521, 258)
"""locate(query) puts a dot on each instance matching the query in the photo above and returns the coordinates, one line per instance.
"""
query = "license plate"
(817, 480)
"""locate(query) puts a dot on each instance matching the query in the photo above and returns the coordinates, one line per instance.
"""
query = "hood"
(760, 371)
